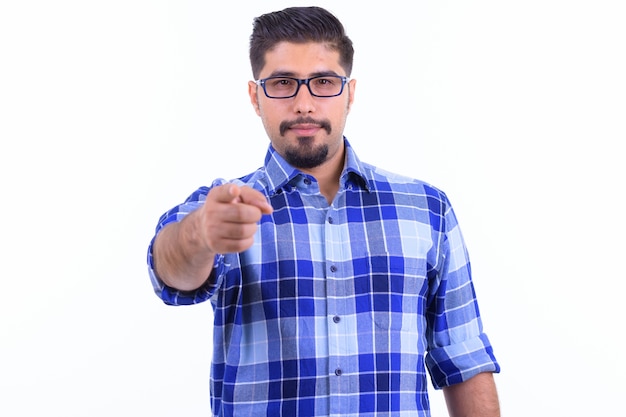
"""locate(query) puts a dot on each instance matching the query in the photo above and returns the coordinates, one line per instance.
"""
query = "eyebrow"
(293, 74)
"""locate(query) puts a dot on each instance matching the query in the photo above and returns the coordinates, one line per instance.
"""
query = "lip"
(305, 129)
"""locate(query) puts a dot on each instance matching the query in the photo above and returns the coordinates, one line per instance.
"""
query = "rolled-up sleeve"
(458, 347)
(459, 362)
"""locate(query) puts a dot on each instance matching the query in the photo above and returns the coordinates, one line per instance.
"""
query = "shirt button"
(307, 181)
(336, 319)
(330, 220)
(333, 268)
(338, 372)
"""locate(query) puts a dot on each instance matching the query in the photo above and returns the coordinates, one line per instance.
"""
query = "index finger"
(248, 195)
(225, 193)
(233, 193)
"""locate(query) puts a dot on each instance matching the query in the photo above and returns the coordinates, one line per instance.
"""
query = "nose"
(304, 102)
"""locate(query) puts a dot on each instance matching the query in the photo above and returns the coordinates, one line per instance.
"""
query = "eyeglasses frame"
(302, 81)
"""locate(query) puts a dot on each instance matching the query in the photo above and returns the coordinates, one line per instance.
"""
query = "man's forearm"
(180, 259)
(476, 397)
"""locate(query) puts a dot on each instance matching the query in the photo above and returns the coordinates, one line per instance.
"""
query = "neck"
(327, 175)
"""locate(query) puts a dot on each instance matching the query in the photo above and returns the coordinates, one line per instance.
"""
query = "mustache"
(287, 124)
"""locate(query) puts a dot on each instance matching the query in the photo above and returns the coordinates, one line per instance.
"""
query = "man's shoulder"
(382, 178)
(257, 179)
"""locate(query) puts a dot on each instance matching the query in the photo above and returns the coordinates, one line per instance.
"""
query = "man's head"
(301, 59)
(298, 25)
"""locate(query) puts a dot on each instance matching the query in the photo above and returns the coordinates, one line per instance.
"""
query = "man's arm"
(476, 397)
(226, 223)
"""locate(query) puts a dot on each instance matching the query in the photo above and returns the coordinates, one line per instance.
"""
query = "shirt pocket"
(398, 292)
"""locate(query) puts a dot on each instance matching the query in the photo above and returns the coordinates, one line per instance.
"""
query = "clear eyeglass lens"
(325, 86)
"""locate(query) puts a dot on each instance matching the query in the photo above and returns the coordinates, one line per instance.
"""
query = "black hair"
(298, 25)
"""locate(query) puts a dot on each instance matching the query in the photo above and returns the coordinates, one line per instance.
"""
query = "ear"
(253, 90)
(351, 88)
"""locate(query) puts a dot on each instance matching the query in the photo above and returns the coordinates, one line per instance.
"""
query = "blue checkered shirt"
(339, 310)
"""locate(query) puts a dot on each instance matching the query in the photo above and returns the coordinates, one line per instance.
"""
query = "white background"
(113, 112)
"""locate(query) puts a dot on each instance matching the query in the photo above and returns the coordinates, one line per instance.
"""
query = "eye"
(281, 82)
(325, 81)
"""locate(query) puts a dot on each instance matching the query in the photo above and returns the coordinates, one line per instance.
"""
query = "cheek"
(270, 122)
(341, 111)
(270, 114)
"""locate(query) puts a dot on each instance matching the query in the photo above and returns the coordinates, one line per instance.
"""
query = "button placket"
(336, 309)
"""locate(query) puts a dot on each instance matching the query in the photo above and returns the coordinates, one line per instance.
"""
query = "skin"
(226, 223)
(306, 138)
(473, 398)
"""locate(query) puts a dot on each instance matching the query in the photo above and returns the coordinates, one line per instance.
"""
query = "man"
(336, 286)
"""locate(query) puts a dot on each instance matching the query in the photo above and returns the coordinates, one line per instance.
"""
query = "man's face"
(307, 131)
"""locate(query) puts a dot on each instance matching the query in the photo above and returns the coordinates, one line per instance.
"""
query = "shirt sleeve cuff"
(174, 297)
(459, 362)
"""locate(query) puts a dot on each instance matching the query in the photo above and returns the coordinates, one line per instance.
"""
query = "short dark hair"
(298, 25)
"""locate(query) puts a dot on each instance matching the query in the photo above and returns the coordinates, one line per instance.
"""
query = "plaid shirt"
(339, 310)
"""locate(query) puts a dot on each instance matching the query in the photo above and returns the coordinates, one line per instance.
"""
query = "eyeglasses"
(287, 87)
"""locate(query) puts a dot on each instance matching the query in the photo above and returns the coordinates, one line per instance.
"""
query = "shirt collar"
(279, 172)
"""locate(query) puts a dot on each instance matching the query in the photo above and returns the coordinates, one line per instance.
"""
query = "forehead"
(301, 59)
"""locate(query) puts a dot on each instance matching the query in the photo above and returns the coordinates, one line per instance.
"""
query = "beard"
(305, 156)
